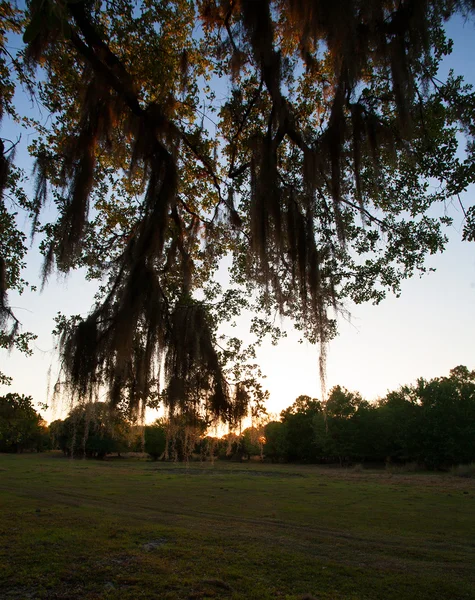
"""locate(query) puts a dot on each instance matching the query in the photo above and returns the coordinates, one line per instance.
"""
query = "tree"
(351, 427)
(13, 246)
(400, 423)
(21, 427)
(303, 421)
(447, 418)
(92, 430)
(183, 435)
(432, 422)
(368, 436)
(252, 442)
(276, 443)
(312, 173)
(155, 439)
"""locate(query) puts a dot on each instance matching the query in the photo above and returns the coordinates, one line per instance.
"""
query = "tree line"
(431, 423)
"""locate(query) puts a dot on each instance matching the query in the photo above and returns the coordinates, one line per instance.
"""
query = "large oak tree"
(302, 142)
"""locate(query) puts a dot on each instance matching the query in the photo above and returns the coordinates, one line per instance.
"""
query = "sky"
(424, 333)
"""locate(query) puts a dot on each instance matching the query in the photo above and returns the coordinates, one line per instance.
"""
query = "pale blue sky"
(424, 333)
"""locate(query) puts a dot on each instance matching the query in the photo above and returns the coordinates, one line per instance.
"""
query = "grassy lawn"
(129, 529)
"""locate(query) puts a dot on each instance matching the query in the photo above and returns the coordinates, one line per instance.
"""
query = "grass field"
(130, 529)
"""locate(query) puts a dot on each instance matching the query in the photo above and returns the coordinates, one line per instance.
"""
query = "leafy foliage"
(276, 444)
(21, 427)
(301, 420)
(155, 440)
(430, 423)
(93, 430)
(310, 176)
(13, 246)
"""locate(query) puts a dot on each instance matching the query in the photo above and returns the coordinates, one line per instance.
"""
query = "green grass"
(129, 529)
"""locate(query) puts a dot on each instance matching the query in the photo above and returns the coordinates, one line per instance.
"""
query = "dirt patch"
(154, 544)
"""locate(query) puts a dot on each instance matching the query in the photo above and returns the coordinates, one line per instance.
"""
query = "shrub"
(464, 470)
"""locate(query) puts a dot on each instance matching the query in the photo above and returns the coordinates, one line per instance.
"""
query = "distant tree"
(341, 403)
(21, 427)
(155, 439)
(93, 430)
(209, 447)
(302, 421)
(252, 442)
(276, 444)
(432, 422)
(400, 418)
(176, 438)
(447, 418)
(229, 447)
(367, 434)
(340, 438)
(58, 435)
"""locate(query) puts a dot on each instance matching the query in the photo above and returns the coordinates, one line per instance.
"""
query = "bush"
(464, 470)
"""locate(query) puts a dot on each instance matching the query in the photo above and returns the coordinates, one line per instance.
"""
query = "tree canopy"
(21, 427)
(297, 140)
(93, 430)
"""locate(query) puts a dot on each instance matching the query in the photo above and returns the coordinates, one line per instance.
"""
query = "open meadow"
(130, 529)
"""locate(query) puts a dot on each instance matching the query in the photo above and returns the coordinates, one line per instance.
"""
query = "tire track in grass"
(394, 553)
